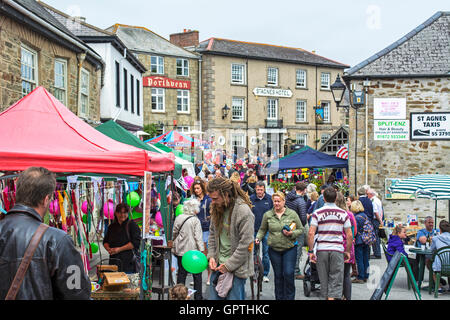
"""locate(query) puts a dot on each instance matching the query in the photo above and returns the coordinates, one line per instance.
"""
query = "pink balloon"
(158, 219)
(108, 210)
(189, 181)
(84, 206)
(54, 207)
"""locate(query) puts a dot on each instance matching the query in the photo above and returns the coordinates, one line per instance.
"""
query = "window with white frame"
(272, 109)
(324, 137)
(237, 73)
(28, 69)
(301, 111)
(325, 81)
(300, 78)
(326, 112)
(272, 76)
(182, 67)
(237, 109)
(183, 101)
(183, 129)
(157, 64)
(60, 91)
(158, 99)
(237, 140)
(84, 93)
(301, 138)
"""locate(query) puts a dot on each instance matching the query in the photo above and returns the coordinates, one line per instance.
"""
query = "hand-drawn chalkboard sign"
(397, 261)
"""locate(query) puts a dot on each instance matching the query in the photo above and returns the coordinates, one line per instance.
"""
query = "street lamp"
(338, 89)
(225, 111)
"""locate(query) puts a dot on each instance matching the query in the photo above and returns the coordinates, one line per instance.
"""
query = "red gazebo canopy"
(38, 130)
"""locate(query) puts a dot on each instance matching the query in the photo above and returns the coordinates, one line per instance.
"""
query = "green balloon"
(179, 210)
(194, 261)
(94, 247)
(133, 199)
(84, 218)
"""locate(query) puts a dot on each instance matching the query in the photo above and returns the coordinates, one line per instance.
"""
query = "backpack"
(368, 234)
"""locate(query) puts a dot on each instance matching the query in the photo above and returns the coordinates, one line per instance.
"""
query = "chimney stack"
(187, 38)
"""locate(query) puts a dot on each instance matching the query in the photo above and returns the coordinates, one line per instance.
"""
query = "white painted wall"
(108, 108)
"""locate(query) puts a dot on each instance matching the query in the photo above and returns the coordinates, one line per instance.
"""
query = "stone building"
(121, 94)
(407, 80)
(271, 92)
(37, 50)
(170, 85)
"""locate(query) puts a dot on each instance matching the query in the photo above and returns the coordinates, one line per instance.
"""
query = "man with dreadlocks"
(230, 243)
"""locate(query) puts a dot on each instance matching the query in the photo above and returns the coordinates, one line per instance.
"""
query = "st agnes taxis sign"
(163, 82)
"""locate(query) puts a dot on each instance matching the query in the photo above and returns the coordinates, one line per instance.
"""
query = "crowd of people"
(224, 218)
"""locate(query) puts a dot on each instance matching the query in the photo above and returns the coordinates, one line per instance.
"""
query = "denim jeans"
(265, 254)
(283, 263)
(181, 278)
(301, 243)
(237, 291)
(362, 252)
(376, 246)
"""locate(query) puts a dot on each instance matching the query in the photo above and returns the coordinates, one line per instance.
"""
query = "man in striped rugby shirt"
(330, 222)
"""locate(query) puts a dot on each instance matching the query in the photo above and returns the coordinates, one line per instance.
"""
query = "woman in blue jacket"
(395, 243)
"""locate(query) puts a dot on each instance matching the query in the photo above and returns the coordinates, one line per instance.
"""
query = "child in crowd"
(179, 292)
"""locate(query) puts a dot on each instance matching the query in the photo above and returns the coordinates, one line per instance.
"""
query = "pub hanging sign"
(163, 82)
(430, 125)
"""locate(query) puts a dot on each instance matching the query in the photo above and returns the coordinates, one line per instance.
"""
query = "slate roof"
(37, 9)
(92, 34)
(262, 51)
(141, 39)
(76, 26)
(425, 51)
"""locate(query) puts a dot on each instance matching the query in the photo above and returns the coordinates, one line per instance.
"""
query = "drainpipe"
(246, 107)
(315, 117)
(366, 89)
(200, 95)
(80, 58)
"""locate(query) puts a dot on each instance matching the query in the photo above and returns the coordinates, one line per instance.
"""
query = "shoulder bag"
(23, 267)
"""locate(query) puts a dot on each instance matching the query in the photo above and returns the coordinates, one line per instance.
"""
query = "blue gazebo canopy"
(307, 158)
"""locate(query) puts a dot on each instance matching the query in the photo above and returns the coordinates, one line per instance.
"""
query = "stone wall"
(12, 36)
(170, 113)
(401, 159)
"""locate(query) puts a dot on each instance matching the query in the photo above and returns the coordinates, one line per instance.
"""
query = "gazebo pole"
(435, 213)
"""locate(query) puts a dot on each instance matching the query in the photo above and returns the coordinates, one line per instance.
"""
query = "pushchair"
(311, 279)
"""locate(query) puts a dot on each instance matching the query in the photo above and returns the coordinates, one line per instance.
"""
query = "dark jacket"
(395, 244)
(204, 215)
(55, 263)
(368, 207)
(116, 236)
(298, 204)
(260, 206)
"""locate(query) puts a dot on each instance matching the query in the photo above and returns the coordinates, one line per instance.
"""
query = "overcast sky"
(348, 31)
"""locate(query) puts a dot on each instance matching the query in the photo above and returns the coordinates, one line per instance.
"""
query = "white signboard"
(389, 108)
(430, 126)
(391, 130)
(272, 92)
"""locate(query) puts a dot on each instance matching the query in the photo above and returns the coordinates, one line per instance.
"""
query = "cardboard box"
(115, 281)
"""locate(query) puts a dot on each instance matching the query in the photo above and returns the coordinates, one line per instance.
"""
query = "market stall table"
(419, 254)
